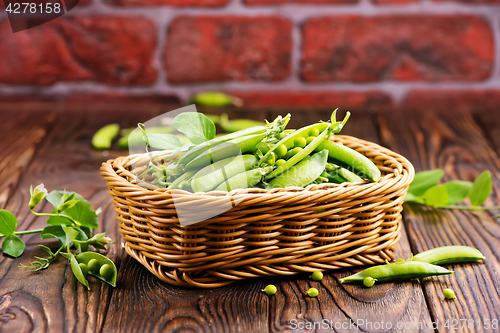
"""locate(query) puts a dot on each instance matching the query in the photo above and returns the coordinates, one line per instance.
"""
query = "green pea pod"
(234, 147)
(216, 99)
(85, 257)
(77, 271)
(230, 126)
(449, 255)
(298, 157)
(245, 179)
(343, 173)
(352, 158)
(204, 180)
(184, 177)
(134, 138)
(203, 147)
(398, 272)
(303, 173)
(104, 137)
(289, 139)
(333, 177)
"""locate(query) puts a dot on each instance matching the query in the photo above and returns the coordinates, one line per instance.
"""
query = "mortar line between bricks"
(297, 14)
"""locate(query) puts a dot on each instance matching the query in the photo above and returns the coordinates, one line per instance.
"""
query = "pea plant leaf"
(436, 196)
(457, 190)
(424, 180)
(481, 189)
(13, 246)
(411, 198)
(81, 212)
(163, 141)
(8, 222)
(196, 126)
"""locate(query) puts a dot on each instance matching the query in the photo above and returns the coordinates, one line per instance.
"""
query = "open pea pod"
(77, 271)
(85, 257)
(309, 148)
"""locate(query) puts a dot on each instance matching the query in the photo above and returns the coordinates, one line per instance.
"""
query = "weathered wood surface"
(59, 155)
(455, 143)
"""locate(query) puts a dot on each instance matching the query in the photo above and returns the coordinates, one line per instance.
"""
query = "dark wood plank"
(147, 304)
(53, 300)
(394, 304)
(21, 135)
(490, 122)
(455, 143)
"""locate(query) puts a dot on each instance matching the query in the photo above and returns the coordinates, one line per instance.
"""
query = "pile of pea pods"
(269, 156)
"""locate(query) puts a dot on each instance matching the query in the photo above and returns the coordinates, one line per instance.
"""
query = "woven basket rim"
(139, 188)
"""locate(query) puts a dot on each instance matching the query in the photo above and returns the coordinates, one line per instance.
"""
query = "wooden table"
(50, 143)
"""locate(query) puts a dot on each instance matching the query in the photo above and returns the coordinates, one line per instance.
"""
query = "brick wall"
(347, 53)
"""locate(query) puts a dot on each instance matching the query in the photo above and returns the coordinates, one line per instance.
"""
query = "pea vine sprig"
(71, 222)
(425, 190)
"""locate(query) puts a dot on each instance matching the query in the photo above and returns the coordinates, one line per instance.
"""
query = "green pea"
(272, 158)
(106, 271)
(317, 276)
(280, 151)
(270, 289)
(314, 132)
(449, 293)
(293, 152)
(93, 266)
(84, 268)
(369, 282)
(300, 142)
(279, 162)
(310, 139)
(312, 292)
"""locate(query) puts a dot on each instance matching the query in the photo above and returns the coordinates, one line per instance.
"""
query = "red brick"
(319, 99)
(453, 99)
(394, 2)
(119, 97)
(202, 49)
(401, 48)
(315, 2)
(471, 2)
(112, 50)
(176, 3)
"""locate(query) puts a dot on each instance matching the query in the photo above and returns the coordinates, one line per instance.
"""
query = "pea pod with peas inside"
(98, 266)
(301, 174)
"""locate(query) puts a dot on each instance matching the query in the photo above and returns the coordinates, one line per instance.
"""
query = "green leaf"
(54, 231)
(457, 190)
(77, 271)
(8, 222)
(436, 196)
(13, 246)
(411, 198)
(164, 141)
(81, 212)
(196, 126)
(71, 234)
(481, 189)
(424, 180)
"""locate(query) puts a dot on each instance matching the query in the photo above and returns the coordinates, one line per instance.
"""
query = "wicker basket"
(275, 232)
